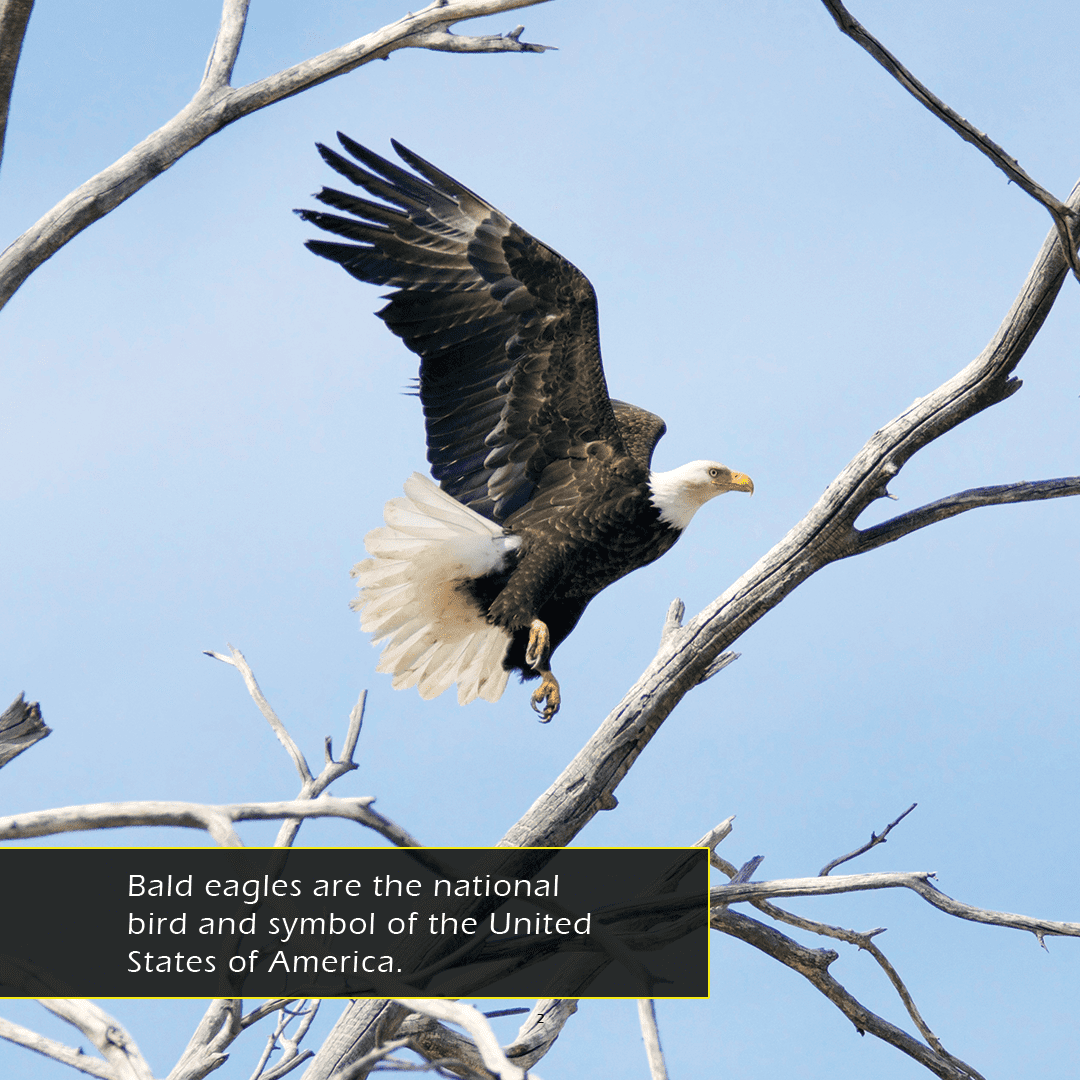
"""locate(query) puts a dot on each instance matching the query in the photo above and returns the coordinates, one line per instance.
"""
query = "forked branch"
(215, 105)
(216, 820)
(813, 965)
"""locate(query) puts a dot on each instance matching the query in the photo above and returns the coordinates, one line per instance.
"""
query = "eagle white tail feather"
(410, 594)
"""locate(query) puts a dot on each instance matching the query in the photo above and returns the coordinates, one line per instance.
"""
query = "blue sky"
(202, 420)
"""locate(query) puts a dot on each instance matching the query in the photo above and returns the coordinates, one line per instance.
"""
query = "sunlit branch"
(650, 1035)
(66, 1055)
(113, 1042)
(14, 16)
(216, 820)
(918, 882)
(1028, 491)
(1061, 214)
(813, 965)
(215, 105)
(875, 839)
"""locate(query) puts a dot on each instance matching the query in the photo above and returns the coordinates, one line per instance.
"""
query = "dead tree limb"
(20, 727)
(1062, 215)
(813, 965)
(216, 104)
(875, 839)
(117, 1047)
(216, 820)
(311, 786)
(50, 1048)
(14, 16)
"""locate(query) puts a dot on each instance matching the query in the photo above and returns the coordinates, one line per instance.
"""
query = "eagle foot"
(547, 697)
(539, 648)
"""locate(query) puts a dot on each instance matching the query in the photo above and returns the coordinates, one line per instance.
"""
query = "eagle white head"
(679, 493)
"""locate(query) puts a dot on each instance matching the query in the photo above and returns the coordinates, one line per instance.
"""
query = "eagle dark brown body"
(547, 496)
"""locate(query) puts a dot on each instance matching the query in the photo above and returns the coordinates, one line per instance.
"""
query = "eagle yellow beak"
(742, 482)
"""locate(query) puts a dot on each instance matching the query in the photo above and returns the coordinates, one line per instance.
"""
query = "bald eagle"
(545, 492)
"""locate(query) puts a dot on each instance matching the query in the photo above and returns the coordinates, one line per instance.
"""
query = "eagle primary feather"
(545, 491)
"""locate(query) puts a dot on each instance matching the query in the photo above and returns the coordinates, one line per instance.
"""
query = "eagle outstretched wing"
(506, 329)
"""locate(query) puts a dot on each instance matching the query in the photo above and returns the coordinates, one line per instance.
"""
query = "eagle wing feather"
(506, 329)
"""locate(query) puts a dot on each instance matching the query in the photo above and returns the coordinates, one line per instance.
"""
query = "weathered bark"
(216, 105)
(14, 16)
(20, 727)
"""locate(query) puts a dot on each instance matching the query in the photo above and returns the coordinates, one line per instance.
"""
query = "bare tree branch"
(107, 1034)
(226, 48)
(874, 840)
(362, 1065)
(206, 1048)
(913, 1011)
(1028, 491)
(362, 1028)
(66, 1055)
(14, 17)
(1061, 214)
(310, 786)
(237, 661)
(291, 1055)
(476, 1024)
(216, 105)
(713, 838)
(918, 881)
(216, 820)
(862, 940)
(813, 965)
(332, 770)
(650, 1035)
(20, 727)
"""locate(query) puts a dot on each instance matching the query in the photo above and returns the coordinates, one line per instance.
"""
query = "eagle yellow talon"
(546, 698)
(538, 650)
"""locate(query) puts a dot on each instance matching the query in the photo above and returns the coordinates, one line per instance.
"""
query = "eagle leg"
(539, 648)
(548, 695)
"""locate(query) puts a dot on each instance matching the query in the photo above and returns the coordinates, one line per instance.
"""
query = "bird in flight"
(545, 493)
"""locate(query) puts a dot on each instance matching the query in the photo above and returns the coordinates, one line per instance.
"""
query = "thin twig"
(874, 840)
(291, 1055)
(813, 965)
(331, 771)
(673, 620)
(1059, 212)
(236, 659)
